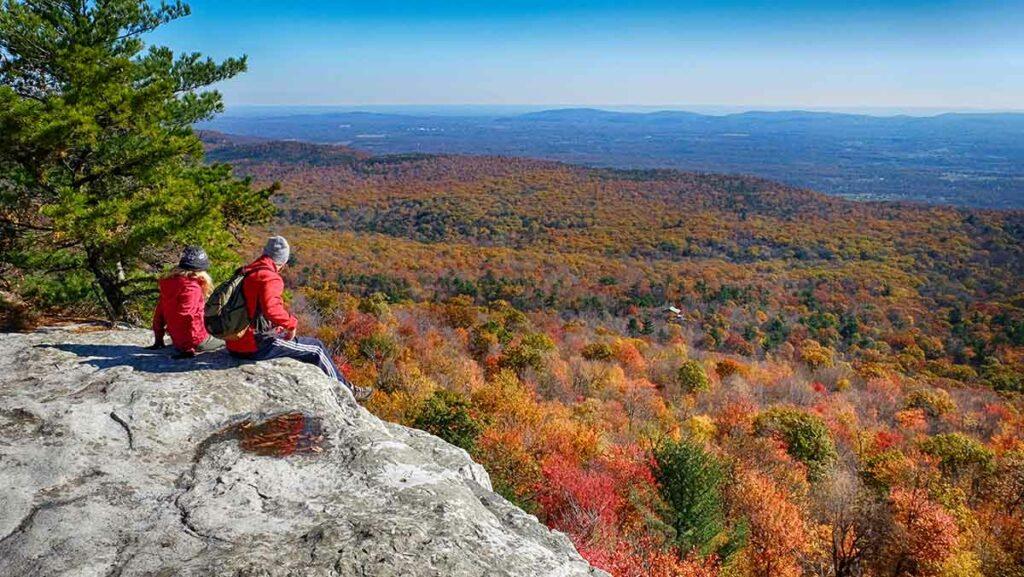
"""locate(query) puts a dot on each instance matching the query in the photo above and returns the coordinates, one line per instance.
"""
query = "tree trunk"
(111, 290)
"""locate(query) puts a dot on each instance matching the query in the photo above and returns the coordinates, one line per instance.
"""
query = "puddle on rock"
(281, 435)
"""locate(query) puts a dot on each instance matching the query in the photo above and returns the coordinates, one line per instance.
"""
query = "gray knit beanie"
(277, 249)
(194, 258)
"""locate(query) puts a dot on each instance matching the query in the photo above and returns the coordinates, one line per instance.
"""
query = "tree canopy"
(101, 173)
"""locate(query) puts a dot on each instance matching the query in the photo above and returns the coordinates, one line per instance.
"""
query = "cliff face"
(118, 461)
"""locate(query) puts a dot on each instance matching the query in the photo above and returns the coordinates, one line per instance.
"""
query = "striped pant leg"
(305, 349)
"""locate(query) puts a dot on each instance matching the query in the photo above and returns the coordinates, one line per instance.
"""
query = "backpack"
(226, 316)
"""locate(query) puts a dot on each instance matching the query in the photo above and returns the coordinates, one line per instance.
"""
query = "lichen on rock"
(116, 460)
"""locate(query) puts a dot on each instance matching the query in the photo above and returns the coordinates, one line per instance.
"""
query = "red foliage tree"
(924, 535)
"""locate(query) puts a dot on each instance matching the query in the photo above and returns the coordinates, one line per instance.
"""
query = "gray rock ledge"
(110, 465)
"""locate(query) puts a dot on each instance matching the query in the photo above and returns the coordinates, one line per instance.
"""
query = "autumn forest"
(688, 374)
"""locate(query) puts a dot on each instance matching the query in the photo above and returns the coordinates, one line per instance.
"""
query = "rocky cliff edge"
(119, 461)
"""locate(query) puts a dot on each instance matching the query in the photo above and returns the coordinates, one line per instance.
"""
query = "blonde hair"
(201, 275)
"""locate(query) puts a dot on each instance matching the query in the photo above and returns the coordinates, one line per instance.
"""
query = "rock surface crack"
(27, 520)
(124, 425)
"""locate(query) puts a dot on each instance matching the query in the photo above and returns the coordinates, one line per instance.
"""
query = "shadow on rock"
(104, 356)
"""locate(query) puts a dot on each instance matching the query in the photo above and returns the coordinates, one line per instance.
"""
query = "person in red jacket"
(272, 329)
(179, 312)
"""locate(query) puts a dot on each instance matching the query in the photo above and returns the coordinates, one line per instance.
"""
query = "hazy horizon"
(471, 109)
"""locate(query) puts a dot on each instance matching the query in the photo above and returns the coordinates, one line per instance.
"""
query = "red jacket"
(180, 312)
(262, 287)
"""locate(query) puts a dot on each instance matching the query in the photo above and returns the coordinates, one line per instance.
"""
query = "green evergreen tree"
(690, 480)
(101, 174)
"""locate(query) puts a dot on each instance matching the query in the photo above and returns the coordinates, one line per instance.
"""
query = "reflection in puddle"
(281, 435)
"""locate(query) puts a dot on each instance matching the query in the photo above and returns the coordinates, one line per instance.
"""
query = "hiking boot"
(361, 393)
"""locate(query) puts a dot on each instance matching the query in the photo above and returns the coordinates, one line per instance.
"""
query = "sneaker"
(361, 393)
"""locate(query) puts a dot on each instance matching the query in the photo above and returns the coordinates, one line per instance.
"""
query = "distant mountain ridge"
(959, 159)
(235, 149)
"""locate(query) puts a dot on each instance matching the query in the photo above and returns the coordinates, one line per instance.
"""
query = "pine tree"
(690, 480)
(101, 173)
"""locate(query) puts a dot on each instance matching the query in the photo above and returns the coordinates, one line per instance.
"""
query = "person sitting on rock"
(179, 312)
(272, 329)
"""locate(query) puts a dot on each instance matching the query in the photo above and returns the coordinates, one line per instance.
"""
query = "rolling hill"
(599, 338)
(956, 159)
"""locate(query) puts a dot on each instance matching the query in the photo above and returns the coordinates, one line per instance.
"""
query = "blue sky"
(942, 54)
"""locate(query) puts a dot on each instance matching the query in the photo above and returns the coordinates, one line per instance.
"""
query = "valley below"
(687, 373)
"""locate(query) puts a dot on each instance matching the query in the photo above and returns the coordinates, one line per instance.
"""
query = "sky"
(824, 54)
